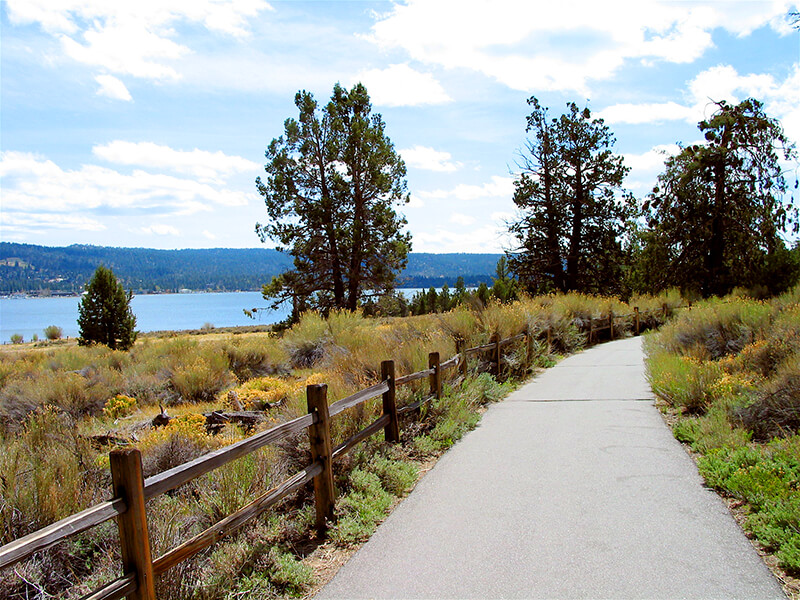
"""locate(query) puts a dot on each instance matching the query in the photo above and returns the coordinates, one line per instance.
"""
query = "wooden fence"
(131, 491)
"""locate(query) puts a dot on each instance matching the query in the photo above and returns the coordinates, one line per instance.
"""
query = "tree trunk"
(354, 275)
(576, 235)
(330, 232)
(715, 286)
(554, 258)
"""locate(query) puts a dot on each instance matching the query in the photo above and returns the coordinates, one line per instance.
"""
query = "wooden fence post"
(611, 324)
(436, 378)
(495, 339)
(591, 331)
(319, 435)
(636, 318)
(128, 484)
(528, 348)
(462, 364)
(549, 339)
(391, 432)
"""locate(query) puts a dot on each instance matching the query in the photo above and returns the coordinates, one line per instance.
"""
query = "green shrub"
(17, 338)
(289, 574)
(396, 476)
(710, 431)
(360, 510)
(201, 379)
(53, 332)
(789, 555)
(716, 329)
(776, 411)
(119, 406)
(684, 382)
(307, 340)
(768, 479)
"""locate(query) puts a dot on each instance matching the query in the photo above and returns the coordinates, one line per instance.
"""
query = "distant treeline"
(32, 268)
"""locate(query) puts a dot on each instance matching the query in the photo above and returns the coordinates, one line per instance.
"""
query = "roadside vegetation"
(728, 371)
(63, 408)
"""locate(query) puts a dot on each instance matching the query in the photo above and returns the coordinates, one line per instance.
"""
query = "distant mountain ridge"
(32, 268)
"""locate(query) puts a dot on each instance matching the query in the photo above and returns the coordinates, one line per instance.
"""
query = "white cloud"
(531, 46)
(498, 187)
(646, 167)
(33, 185)
(415, 202)
(400, 85)
(646, 113)
(160, 229)
(206, 166)
(208, 235)
(722, 82)
(424, 157)
(652, 160)
(40, 223)
(112, 87)
(461, 219)
(490, 237)
(128, 38)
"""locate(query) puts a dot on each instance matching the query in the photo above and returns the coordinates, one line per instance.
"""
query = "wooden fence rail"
(131, 491)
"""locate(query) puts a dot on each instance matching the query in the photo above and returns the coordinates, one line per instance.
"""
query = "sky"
(144, 124)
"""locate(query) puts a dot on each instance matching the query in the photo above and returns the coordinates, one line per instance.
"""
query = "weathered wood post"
(611, 324)
(319, 435)
(462, 363)
(391, 432)
(128, 484)
(591, 331)
(636, 318)
(495, 339)
(436, 377)
(549, 339)
(528, 348)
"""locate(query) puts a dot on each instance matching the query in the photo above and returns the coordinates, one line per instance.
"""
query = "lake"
(154, 312)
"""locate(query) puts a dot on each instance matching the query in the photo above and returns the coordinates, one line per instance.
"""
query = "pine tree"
(720, 208)
(573, 209)
(104, 314)
(333, 181)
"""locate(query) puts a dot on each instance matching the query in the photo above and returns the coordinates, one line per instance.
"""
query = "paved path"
(573, 487)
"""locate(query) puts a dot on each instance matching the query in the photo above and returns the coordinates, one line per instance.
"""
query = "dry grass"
(52, 400)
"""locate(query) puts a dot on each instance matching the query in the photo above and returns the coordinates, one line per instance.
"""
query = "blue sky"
(144, 123)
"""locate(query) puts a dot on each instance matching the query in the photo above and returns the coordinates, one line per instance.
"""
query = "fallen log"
(217, 419)
(108, 439)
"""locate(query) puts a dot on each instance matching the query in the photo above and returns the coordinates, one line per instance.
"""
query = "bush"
(53, 332)
(776, 412)
(360, 511)
(200, 380)
(289, 574)
(119, 406)
(17, 338)
(716, 329)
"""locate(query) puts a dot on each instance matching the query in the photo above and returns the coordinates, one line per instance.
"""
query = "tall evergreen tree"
(538, 261)
(719, 208)
(333, 181)
(104, 313)
(573, 209)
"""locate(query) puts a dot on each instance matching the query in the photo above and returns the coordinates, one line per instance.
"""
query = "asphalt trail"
(572, 487)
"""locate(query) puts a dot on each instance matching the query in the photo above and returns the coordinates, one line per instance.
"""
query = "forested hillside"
(27, 267)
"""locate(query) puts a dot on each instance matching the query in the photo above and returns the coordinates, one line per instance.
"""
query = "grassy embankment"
(54, 399)
(729, 373)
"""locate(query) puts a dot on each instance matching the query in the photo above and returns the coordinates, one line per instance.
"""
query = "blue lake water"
(154, 312)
